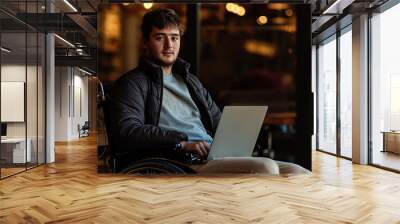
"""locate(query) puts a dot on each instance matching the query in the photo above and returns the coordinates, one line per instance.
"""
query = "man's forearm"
(150, 136)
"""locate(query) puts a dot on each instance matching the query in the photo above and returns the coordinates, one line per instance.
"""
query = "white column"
(50, 92)
(360, 90)
(50, 99)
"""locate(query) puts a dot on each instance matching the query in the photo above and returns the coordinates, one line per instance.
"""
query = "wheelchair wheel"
(157, 166)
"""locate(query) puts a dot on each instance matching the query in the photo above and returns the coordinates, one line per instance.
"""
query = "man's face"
(163, 45)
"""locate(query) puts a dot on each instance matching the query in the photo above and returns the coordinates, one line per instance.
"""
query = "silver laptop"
(237, 131)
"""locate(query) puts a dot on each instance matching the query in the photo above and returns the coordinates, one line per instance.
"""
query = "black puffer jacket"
(135, 105)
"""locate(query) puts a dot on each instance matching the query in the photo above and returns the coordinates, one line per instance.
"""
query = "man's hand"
(200, 148)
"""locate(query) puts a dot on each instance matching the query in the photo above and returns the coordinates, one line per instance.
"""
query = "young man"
(159, 109)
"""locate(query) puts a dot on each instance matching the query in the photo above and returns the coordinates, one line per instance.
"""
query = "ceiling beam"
(84, 24)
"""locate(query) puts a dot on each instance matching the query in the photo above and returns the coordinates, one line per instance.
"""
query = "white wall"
(80, 112)
(33, 127)
(12, 73)
(71, 102)
(62, 81)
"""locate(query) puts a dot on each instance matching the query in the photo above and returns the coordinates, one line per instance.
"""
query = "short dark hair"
(160, 18)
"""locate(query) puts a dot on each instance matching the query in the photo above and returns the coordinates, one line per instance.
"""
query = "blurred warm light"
(279, 20)
(288, 28)
(260, 48)
(287, 79)
(242, 11)
(278, 6)
(230, 7)
(235, 8)
(262, 20)
(289, 12)
(111, 27)
(147, 5)
(125, 4)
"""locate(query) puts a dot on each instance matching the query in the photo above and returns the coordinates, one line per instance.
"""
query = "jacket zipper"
(201, 106)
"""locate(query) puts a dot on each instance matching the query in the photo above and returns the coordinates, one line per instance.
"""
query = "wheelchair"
(84, 129)
(158, 166)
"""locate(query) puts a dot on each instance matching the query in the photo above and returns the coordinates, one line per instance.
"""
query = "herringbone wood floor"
(71, 191)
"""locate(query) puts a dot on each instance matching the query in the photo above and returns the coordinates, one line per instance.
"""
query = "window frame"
(378, 10)
(334, 37)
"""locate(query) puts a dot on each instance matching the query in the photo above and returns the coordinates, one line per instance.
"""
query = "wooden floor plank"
(71, 191)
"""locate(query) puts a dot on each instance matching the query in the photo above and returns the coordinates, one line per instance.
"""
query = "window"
(346, 94)
(22, 78)
(327, 96)
(385, 88)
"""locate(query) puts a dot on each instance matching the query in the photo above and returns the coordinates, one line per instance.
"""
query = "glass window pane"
(385, 88)
(41, 98)
(14, 151)
(327, 97)
(22, 76)
(31, 96)
(346, 94)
